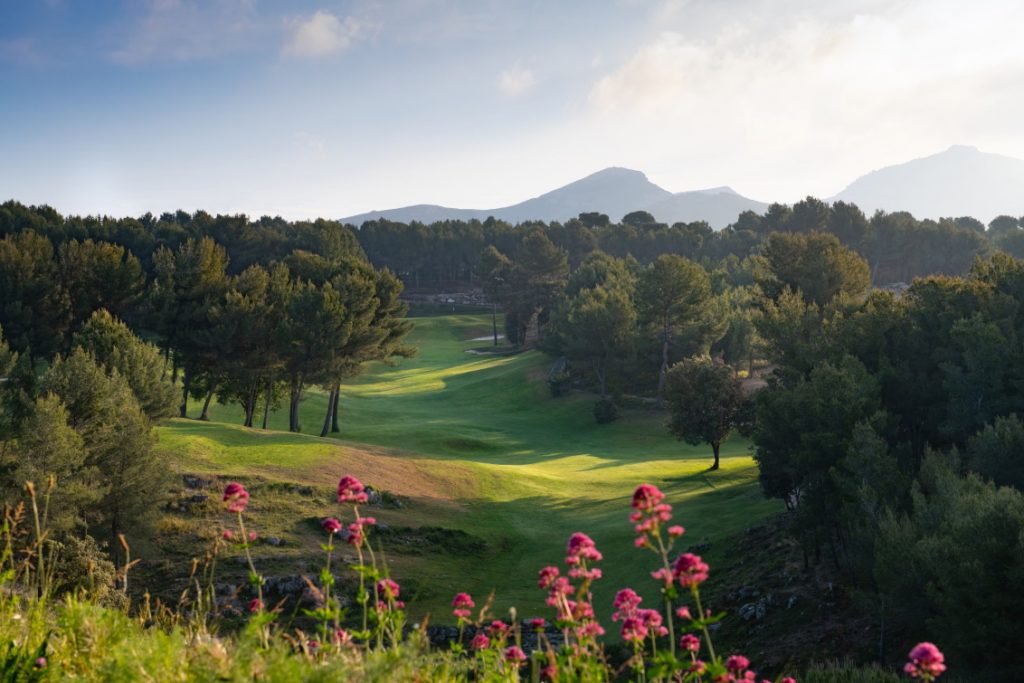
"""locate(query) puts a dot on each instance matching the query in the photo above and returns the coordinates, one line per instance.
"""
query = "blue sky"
(332, 108)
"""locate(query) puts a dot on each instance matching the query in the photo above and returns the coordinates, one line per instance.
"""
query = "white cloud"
(320, 35)
(516, 81)
(770, 102)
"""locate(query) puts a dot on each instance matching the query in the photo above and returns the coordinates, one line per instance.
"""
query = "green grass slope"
(472, 443)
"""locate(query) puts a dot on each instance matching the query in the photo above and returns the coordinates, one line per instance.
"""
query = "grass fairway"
(476, 443)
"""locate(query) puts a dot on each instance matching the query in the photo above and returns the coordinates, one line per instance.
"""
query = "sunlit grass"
(478, 444)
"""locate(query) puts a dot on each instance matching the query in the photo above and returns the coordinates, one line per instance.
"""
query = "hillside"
(471, 444)
(612, 191)
(961, 181)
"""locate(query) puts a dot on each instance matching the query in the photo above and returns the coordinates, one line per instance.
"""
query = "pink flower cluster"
(649, 514)
(637, 624)
(463, 605)
(689, 570)
(573, 605)
(351, 490)
(581, 548)
(331, 525)
(926, 662)
(357, 530)
(236, 497)
(387, 595)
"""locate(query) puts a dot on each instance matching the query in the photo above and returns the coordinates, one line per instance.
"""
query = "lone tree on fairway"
(706, 402)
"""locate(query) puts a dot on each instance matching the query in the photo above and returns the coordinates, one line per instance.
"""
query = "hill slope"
(960, 181)
(613, 191)
(473, 444)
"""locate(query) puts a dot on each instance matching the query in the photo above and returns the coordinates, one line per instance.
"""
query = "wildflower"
(351, 490)
(646, 497)
(590, 629)
(252, 536)
(331, 525)
(236, 497)
(626, 601)
(480, 642)
(255, 605)
(313, 645)
(498, 628)
(342, 637)
(788, 679)
(40, 662)
(633, 630)
(581, 547)
(697, 667)
(690, 570)
(683, 613)
(547, 576)
(538, 624)
(463, 603)
(227, 534)
(926, 662)
(664, 575)
(388, 589)
(737, 664)
(652, 620)
(690, 643)
(676, 531)
(514, 655)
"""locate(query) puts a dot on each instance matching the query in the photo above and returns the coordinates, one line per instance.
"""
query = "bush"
(605, 411)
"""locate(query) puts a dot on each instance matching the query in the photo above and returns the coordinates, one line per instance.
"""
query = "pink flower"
(690, 643)
(652, 620)
(313, 644)
(538, 624)
(926, 662)
(40, 662)
(788, 679)
(463, 603)
(514, 655)
(683, 613)
(581, 547)
(351, 490)
(547, 576)
(591, 629)
(236, 497)
(252, 536)
(331, 525)
(342, 637)
(633, 630)
(227, 534)
(646, 497)
(664, 575)
(737, 664)
(676, 531)
(388, 591)
(480, 642)
(690, 570)
(626, 601)
(697, 667)
(498, 628)
(255, 605)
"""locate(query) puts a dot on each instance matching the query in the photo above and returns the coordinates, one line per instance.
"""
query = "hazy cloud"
(516, 81)
(319, 35)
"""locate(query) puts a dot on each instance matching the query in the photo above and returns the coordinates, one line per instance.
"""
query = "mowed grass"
(477, 443)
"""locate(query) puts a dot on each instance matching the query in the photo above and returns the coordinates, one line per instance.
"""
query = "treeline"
(80, 389)
(891, 429)
(897, 246)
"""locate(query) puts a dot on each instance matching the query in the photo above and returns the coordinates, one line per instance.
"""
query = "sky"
(330, 108)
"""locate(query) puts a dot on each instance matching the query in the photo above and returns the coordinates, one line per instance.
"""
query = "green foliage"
(955, 558)
(997, 452)
(816, 265)
(705, 400)
(113, 345)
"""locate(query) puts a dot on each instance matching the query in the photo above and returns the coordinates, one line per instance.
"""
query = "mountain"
(961, 181)
(613, 191)
(719, 206)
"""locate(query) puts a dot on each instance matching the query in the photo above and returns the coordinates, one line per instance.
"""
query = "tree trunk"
(167, 360)
(715, 446)
(250, 403)
(494, 321)
(663, 372)
(293, 405)
(331, 398)
(334, 412)
(205, 415)
(186, 386)
(269, 398)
